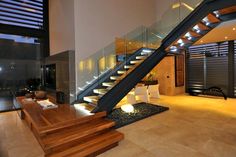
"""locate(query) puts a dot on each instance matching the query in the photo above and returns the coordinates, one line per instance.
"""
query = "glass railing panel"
(91, 70)
(154, 36)
(170, 19)
(177, 11)
(135, 40)
(88, 70)
(187, 6)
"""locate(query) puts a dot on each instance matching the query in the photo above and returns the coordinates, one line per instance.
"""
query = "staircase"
(104, 94)
(81, 138)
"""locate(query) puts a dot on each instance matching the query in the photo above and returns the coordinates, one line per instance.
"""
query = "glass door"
(19, 67)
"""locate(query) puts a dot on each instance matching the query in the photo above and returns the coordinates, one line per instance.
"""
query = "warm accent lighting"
(226, 37)
(81, 65)
(90, 64)
(177, 5)
(82, 108)
(128, 108)
(234, 29)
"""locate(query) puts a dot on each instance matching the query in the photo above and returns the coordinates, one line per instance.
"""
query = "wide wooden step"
(141, 57)
(114, 78)
(128, 66)
(86, 107)
(91, 99)
(100, 91)
(66, 124)
(108, 84)
(69, 136)
(93, 146)
(135, 61)
(120, 72)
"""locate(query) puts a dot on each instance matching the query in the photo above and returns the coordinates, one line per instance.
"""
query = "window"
(23, 13)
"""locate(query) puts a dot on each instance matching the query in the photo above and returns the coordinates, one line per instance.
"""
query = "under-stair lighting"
(180, 42)
(147, 51)
(128, 108)
(206, 21)
(173, 49)
(197, 29)
(217, 13)
(188, 35)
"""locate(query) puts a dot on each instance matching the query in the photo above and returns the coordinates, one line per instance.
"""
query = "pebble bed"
(141, 111)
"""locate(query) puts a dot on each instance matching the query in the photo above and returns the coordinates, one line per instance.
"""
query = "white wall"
(98, 22)
(61, 26)
(87, 26)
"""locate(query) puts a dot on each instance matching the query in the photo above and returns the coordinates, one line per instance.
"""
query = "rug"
(141, 111)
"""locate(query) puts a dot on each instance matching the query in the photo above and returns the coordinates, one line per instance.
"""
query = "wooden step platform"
(73, 134)
(68, 131)
(92, 146)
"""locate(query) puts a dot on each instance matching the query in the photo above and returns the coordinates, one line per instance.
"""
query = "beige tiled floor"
(193, 127)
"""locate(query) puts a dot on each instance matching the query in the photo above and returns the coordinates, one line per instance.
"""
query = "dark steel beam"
(206, 7)
(109, 101)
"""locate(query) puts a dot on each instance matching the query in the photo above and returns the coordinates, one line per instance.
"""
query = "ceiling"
(224, 32)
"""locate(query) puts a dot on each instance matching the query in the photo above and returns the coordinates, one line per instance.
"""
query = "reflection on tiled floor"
(6, 101)
(193, 127)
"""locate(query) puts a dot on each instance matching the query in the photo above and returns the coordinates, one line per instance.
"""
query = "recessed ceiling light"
(226, 37)
(201, 41)
(234, 29)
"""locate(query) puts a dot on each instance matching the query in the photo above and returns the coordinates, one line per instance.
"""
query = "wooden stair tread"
(212, 18)
(92, 145)
(202, 26)
(70, 123)
(75, 133)
(228, 10)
